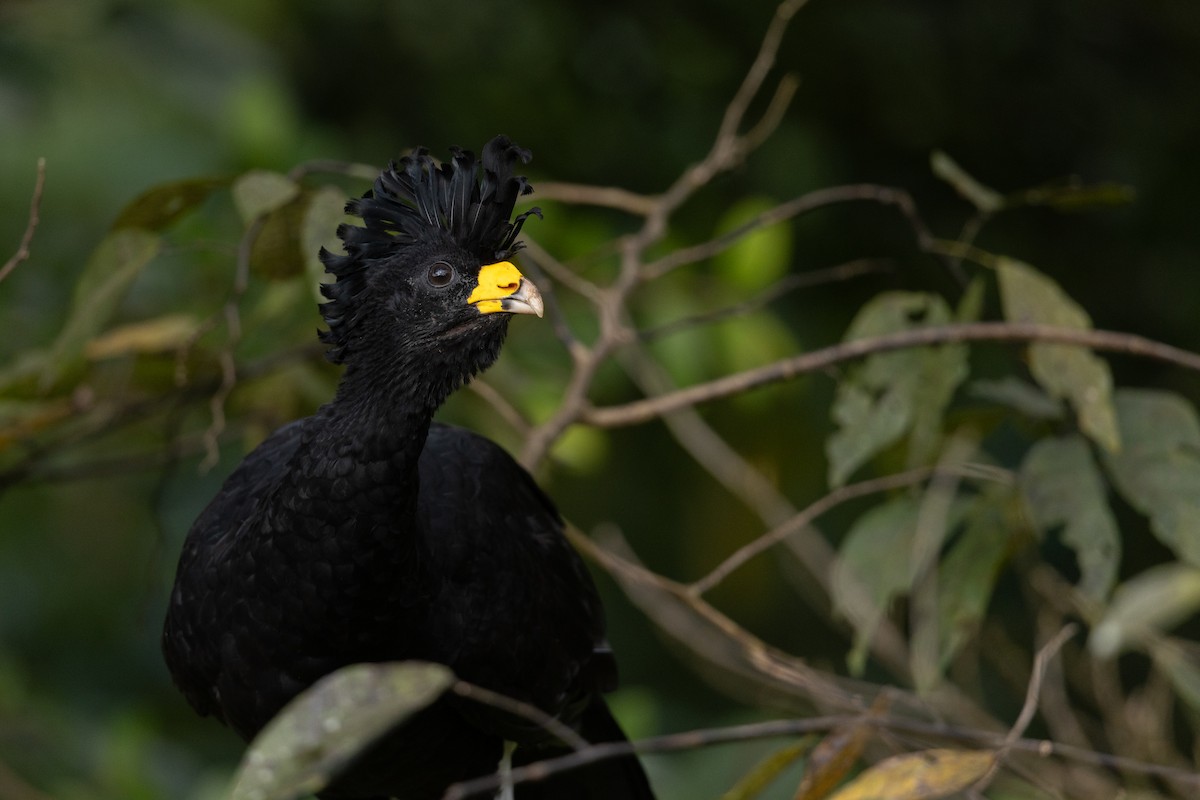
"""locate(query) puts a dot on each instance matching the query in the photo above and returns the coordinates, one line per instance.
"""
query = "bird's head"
(427, 279)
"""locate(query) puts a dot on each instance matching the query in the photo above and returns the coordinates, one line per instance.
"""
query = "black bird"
(369, 533)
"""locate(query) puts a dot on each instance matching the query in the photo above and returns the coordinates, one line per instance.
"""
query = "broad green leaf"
(972, 565)
(984, 198)
(872, 569)
(970, 305)
(1075, 196)
(892, 394)
(1148, 603)
(114, 265)
(1065, 371)
(1158, 469)
(1182, 666)
(321, 730)
(277, 251)
(261, 191)
(157, 335)
(1015, 393)
(1063, 489)
(924, 775)
(160, 206)
(761, 256)
(326, 210)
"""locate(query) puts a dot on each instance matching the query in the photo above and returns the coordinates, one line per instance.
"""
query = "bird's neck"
(382, 415)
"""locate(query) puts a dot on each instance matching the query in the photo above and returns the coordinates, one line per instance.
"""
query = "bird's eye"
(440, 274)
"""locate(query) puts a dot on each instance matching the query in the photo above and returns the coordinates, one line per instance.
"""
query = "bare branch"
(1130, 344)
(707, 737)
(507, 411)
(757, 74)
(782, 287)
(35, 205)
(601, 196)
(526, 711)
(350, 169)
(832, 500)
(810, 201)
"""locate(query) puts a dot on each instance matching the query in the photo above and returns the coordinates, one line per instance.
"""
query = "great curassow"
(369, 533)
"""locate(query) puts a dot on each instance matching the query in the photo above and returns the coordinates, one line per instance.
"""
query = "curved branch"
(35, 205)
(1112, 341)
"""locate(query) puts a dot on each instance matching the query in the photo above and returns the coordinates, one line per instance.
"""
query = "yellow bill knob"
(502, 287)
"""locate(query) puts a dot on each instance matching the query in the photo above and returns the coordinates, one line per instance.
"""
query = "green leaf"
(1158, 469)
(760, 257)
(316, 734)
(1182, 666)
(872, 569)
(969, 570)
(160, 206)
(112, 268)
(261, 191)
(1145, 605)
(1015, 393)
(1063, 488)
(326, 210)
(984, 198)
(897, 393)
(277, 251)
(1075, 196)
(1065, 371)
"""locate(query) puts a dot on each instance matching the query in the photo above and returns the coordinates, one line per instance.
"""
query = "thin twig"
(1034, 690)
(782, 287)
(835, 498)
(526, 711)
(810, 201)
(507, 411)
(35, 205)
(233, 324)
(727, 151)
(707, 737)
(1130, 344)
(600, 196)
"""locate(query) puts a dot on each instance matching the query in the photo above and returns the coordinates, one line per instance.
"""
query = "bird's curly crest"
(469, 199)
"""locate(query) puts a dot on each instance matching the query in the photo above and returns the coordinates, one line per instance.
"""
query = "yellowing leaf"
(832, 759)
(321, 730)
(756, 781)
(149, 336)
(925, 775)
(1063, 488)
(1066, 371)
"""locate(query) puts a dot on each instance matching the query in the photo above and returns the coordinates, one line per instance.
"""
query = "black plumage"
(368, 533)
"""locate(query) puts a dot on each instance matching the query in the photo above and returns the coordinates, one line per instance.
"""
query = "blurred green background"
(120, 96)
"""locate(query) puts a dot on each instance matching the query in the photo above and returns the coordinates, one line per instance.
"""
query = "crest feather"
(414, 200)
